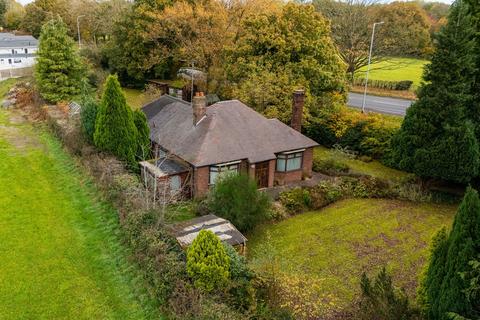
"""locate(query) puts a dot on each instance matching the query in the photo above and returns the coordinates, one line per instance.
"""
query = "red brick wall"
(308, 162)
(200, 179)
(271, 172)
(282, 178)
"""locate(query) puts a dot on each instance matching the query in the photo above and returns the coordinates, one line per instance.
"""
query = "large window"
(221, 169)
(289, 161)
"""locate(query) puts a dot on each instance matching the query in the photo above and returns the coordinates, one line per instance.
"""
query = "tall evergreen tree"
(115, 130)
(441, 114)
(443, 288)
(58, 71)
(143, 137)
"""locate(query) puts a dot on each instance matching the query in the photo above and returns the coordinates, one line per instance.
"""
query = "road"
(385, 105)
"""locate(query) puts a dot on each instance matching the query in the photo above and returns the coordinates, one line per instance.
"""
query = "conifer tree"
(143, 137)
(115, 130)
(207, 262)
(443, 289)
(441, 113)
(464, 246)
(58, 70)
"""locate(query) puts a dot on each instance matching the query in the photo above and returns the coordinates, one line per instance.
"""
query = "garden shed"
(185, 232)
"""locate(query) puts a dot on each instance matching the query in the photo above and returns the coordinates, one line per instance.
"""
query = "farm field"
(61, 255)
(319, 256)
(397, 69)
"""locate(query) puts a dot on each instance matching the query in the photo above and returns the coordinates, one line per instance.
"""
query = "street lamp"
(78, 30)
(368, 67)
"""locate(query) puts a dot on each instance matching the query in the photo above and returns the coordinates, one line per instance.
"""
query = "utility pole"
(78, 30)
(368, 67)
(191, 93)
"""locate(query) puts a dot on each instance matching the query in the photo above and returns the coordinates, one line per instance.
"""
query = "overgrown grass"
(373, 168)
(329, 249)
(397, 69)
(60, 245)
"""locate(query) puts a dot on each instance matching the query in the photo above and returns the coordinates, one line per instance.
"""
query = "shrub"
(323, 194)
(242, 292)
(296, 200)
(88, 115)
(237, 198)
(381, 300)
(329, 166)
(207, 262)
(385, 84)
(365, 134)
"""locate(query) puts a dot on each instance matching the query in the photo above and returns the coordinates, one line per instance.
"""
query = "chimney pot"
(297, 109)
(199, 106)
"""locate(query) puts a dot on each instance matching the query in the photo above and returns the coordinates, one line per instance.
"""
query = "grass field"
(61, 256)
(322, 254)
(135, 97)
(373, 168)
(397, 69)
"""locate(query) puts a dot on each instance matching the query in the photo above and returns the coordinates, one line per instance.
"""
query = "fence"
(15, 73)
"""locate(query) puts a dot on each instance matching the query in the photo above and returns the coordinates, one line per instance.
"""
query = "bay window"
(289, 161)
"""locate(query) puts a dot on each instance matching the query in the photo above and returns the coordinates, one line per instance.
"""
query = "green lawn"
(321, 255)
(61, 256)
(135, 97)
(373, 168)
(397, 69)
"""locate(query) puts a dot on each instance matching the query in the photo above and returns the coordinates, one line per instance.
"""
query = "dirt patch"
(18, 137)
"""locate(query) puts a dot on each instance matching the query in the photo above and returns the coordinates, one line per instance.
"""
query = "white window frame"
(284, 158)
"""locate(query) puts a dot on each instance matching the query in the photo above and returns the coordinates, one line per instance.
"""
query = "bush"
(323, 194)
(296, 200)
(88, 116)
(237, 198)
(207, 262)
(385, 84)
(366, 187)
(381, 300)
(368, 134)
(242, 292)
(329, 166)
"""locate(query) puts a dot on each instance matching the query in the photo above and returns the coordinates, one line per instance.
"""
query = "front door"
(261, 174)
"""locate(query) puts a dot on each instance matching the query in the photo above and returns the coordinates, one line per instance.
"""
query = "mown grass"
(331, 248)
(397, 69)
(62, 257)
(373, 168)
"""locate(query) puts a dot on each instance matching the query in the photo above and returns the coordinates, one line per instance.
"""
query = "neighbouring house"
(227, 136)
(17, 51)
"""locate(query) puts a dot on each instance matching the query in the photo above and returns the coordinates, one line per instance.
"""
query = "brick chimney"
(199, 105)
(297, 109)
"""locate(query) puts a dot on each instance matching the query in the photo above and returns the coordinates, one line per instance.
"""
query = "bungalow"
(227, 136)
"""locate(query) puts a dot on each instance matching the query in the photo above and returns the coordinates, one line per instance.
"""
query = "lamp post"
(78, 30)
(368, 67)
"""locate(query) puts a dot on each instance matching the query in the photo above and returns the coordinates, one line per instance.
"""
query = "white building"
(17, 51)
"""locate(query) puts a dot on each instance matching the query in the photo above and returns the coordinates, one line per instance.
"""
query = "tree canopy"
(444, 288)
(115, 130)
(293, 46)
(439, 135)
(58, 70)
